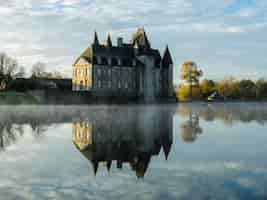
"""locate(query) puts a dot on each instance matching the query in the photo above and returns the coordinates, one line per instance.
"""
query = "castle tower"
(96, 41)
(167, 74)
(108, 42)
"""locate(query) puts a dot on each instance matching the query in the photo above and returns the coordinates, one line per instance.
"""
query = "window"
(99, 84)
(99, 72)
(104, 61)
(114, 62)
(126, 62)
(81, 85)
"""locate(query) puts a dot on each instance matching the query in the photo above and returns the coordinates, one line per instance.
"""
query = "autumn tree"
(191, 75)
(183, 93)
(228, 88)
(207, 87)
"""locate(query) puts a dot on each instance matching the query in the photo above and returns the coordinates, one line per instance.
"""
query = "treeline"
(226, 89)
(13, 75)
(10, 69)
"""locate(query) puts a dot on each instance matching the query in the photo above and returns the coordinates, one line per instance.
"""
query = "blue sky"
(224, 37)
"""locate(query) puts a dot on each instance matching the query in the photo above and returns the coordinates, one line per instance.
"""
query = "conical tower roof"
(96, 41)
(167, 58)
(140, 38)
(108, 42)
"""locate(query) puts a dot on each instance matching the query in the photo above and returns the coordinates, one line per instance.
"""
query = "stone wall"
(115, 80)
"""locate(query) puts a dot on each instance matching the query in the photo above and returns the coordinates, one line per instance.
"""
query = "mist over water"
(185, 151)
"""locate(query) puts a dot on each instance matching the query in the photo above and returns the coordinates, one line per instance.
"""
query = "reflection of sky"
(223, 163)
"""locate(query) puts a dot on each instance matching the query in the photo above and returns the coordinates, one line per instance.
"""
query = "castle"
(126, 70)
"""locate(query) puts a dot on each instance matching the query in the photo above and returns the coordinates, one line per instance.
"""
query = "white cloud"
(56, 31)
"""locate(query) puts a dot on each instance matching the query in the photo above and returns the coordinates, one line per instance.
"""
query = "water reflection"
(228, 113)
(132, 137)
(191, 128)
(223, 162)
(10, 133)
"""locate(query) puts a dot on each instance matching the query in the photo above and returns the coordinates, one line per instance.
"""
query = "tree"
(228, 87)
(247, 89)
(9, 67)
(207, 87)
(191, 75)
(261, 89)
(38, 70)
(184, 94)
(21, 73)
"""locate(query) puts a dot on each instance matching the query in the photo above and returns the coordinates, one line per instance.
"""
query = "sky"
(225, 38)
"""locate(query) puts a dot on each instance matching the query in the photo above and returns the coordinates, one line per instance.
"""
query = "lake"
(184, 151)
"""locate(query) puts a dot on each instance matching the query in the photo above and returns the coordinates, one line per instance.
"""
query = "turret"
(108, 42)
(167, 74)
(96, 41)
(167, 59)
(140, 39)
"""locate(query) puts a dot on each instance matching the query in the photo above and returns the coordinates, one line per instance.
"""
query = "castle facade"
(131, 69)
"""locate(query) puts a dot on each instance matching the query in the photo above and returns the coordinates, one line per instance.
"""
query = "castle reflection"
(124, 138)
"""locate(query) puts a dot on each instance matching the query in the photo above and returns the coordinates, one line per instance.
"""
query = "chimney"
(120, 41)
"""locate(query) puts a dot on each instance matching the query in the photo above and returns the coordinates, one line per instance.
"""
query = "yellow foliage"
(183, 93)
(227, 87)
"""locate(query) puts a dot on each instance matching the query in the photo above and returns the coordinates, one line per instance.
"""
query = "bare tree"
(38, 70)
(9, 67)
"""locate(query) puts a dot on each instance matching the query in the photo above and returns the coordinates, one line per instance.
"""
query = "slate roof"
(126, 50)
(167, 59)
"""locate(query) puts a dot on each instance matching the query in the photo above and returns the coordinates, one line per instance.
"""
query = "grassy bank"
(14, 98)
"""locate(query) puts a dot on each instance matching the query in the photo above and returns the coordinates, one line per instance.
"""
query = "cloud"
(57, 31)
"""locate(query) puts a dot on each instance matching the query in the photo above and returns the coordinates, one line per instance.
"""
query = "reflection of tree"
(228, 113)
(10, 133)
(124, 138)
(191, 129)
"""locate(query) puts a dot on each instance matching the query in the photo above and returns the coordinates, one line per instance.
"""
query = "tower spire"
(96, 41)
(108, 42)
(167, 58)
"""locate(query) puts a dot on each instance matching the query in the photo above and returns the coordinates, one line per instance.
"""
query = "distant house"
(127, 69)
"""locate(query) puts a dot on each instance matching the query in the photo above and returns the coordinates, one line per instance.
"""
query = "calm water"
(186, 151)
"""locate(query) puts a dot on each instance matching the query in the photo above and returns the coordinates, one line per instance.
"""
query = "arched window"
(114, 61)
(81, 85)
